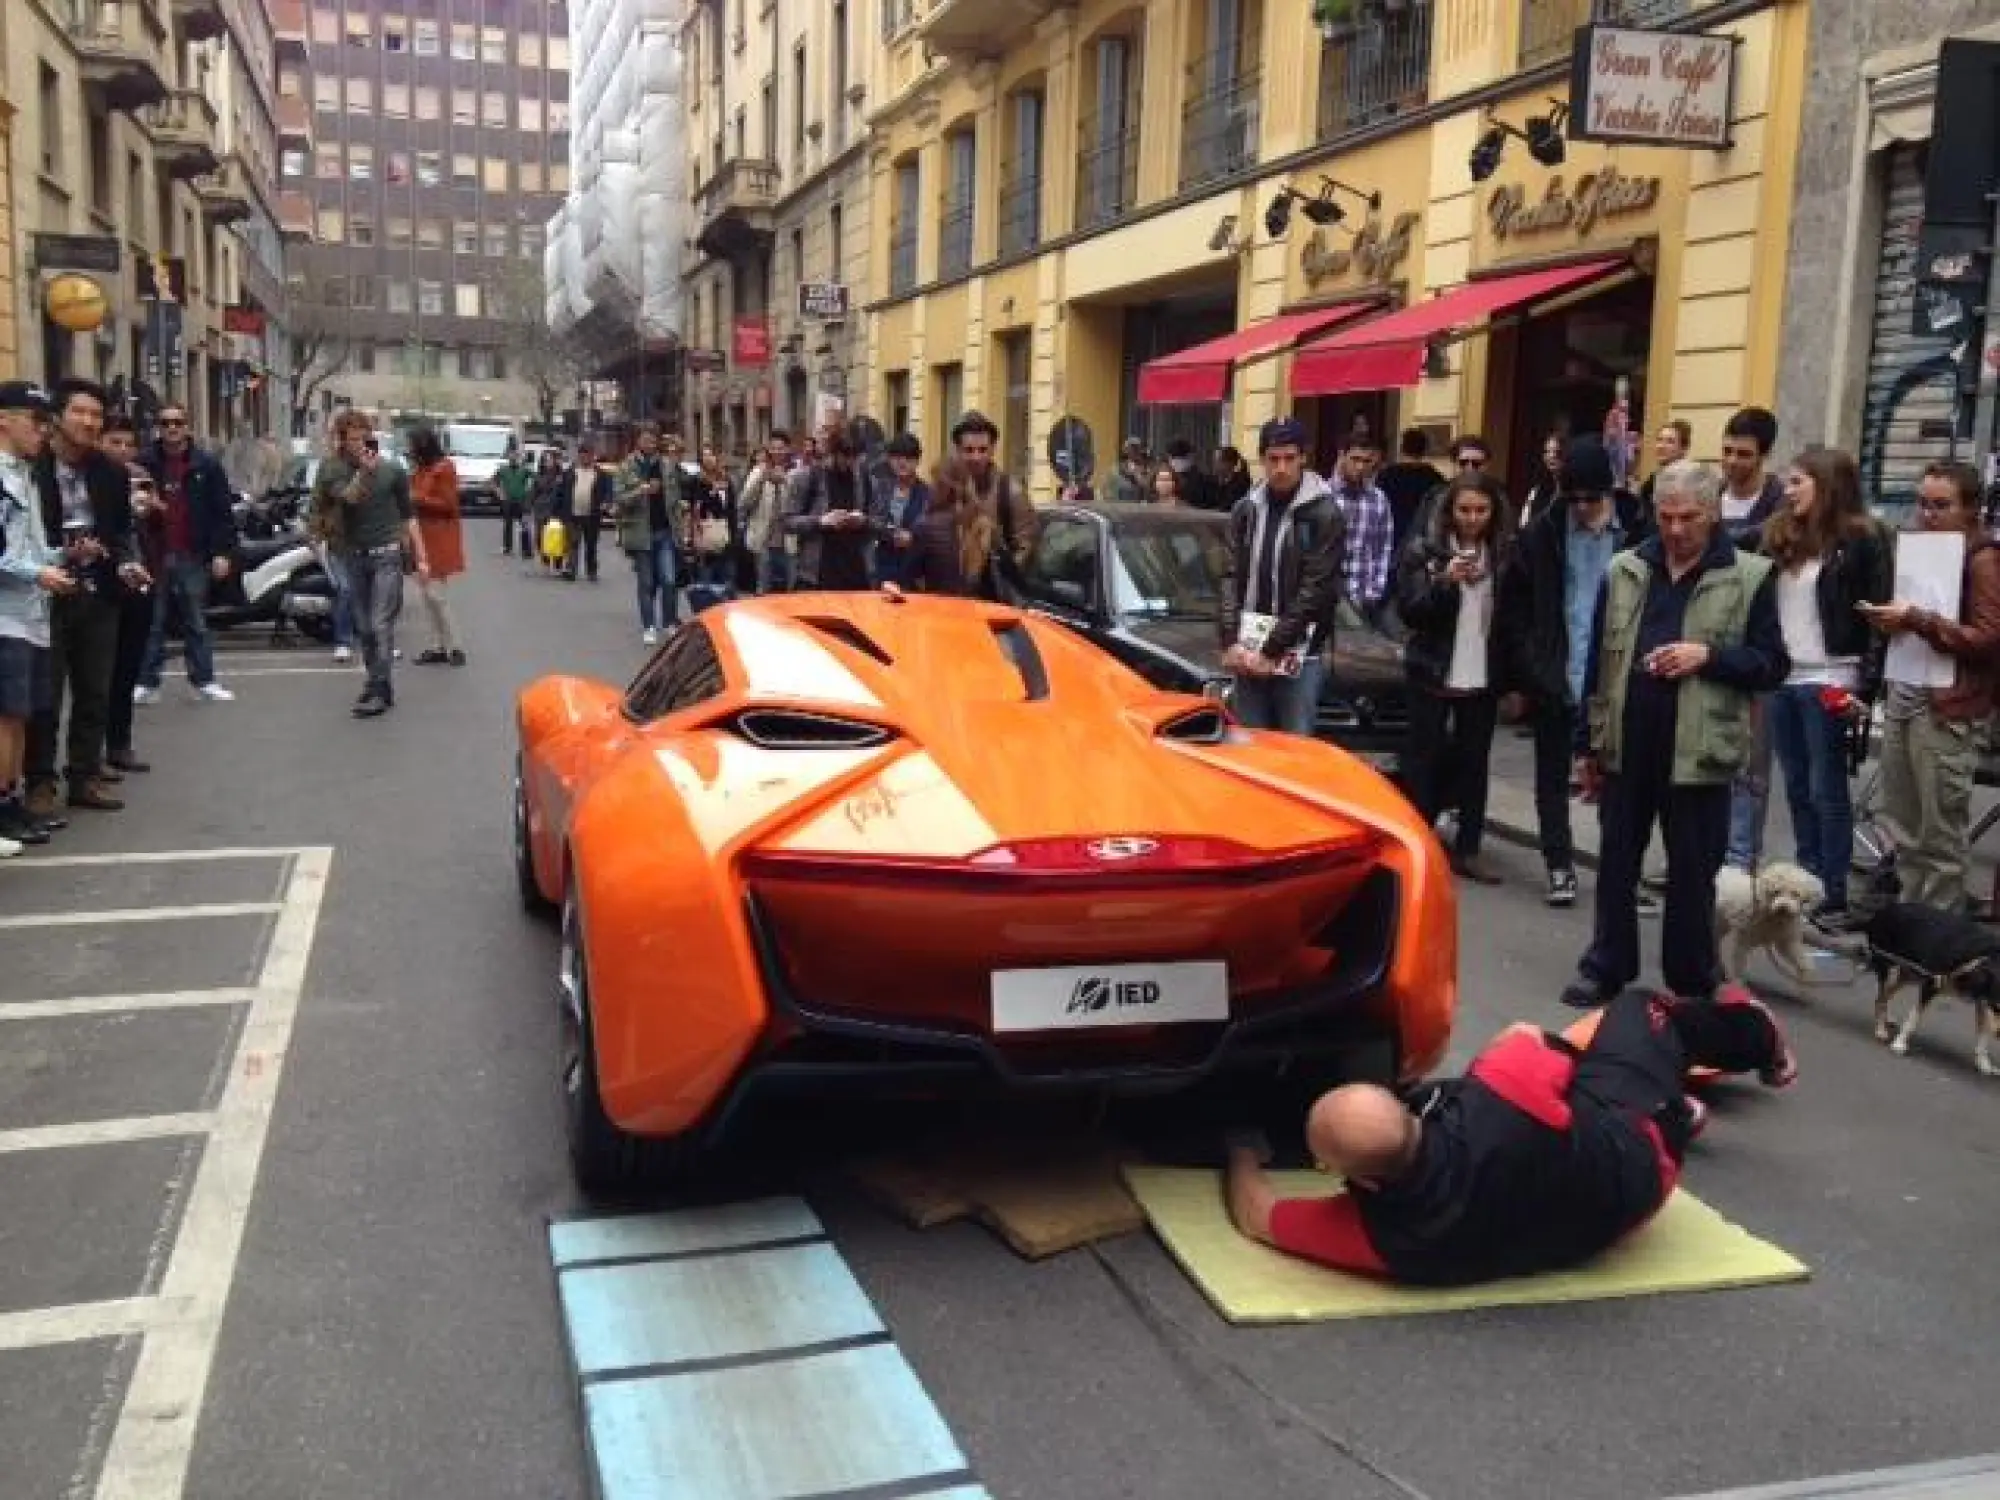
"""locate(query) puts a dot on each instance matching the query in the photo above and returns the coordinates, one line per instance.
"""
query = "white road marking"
(146, 857)
(326, 671)
(139, 914)
(118, 1005)
(150, 1447)
(104, 1132)
(39, 1327)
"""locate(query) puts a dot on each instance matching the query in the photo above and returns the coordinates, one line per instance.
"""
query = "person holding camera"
(361, 502)
(32, 575)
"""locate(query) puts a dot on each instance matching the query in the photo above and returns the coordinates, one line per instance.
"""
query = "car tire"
(607, 1162)
(532, 899)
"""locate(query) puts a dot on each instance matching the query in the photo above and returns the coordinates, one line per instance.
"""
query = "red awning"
(1388, 354)
(1202, 373)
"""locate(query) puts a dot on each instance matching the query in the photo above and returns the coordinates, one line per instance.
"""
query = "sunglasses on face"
(173, 421)
(1468, 461)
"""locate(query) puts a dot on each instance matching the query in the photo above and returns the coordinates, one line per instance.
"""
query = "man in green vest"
(514, 480)
(1686, 635)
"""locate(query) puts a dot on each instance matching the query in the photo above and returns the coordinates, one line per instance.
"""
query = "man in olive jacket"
(1286, 548)
(1686, 635)
(652, 519)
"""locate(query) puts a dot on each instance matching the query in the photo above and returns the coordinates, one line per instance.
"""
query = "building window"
(493, 109)
(836, 241)
(499, 365)
(326, 26)
(799, 109)
(399, 296)
(430, 234)
(332, 226)
(478, 364)
(531, 113)
(361, 232)
(425, 35)
(326, 95)
(559, 177)
(464, 170)
(396, 101)
(903, 229)
(955, 216)
(531, 49)
(360, 163)
(292, 164)
(360, 96)
(464, 107)
(531, 242)
(333, 291)
(494, 174)
(465, 299)
(399, 167)
(558, 116)
(837, 106)
(364, 359)
(493, 45)
(364, 293)
(430, 169)
(559, 54)
(531, 177)
(399, 231)
(1017, 411)
(465, 42)
(358, 34)
(289, 84)
(798, 255)
(495, 240)
(430, 298)
(1383, 68)
(464, 238)
(326, 162)
(896, 398)
(395, 38)
(950, 388)
(1107, 179)
(1021, 176)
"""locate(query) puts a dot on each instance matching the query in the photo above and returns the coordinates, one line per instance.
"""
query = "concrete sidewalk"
(1510, 813)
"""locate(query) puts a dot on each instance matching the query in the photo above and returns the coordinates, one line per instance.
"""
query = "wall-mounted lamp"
(1319, 208)
(1225, 240)
(1543, 134)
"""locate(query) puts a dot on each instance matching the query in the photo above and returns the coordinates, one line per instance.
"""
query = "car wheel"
(532, 898)
(606, 1161)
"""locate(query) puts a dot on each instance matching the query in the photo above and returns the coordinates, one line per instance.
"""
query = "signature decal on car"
(1114, 849)
(1096, 993)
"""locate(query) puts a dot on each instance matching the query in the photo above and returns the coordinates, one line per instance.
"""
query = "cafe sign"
(1376, 253)
(1597, 196)
(1655, 88)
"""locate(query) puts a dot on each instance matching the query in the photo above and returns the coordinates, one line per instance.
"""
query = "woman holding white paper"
(1930, 735)
(1831, 558)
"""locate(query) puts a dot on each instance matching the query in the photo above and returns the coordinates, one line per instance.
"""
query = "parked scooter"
(277, 576)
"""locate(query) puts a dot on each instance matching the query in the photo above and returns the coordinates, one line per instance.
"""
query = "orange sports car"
(836, 840)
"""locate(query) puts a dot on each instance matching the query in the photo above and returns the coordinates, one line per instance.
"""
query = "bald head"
(1363, 1132)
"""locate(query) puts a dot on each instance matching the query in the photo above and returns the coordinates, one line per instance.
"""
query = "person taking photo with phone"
(362, 502)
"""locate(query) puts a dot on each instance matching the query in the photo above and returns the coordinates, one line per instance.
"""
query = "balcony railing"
(955, 238)
(116, 53)
(183, 127)
(1374, 70)
(1218, 122)
(1548, 27)
(1020, 207)
(902, 259)
(1107, 170)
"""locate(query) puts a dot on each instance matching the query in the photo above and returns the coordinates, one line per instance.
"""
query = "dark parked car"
(1145, 583)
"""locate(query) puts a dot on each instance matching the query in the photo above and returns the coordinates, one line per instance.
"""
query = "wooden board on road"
(1042, 1198)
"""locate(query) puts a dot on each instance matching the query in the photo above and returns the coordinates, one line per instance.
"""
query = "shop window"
(896, 400)
(1017, 407)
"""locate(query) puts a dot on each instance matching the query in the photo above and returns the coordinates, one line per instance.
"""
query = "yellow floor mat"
(1688, 1248)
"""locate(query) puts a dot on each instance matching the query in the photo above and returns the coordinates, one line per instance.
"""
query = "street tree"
(319, 348)
(548, 363)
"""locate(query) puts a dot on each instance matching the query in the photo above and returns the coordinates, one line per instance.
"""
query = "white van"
(476, 450)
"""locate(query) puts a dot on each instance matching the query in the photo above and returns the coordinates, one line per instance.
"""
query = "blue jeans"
(376, 579)
(343, 599)
(182, 585)
(1287, 703)
(774, 571)
(659, 584)
(1811, 746)
(1750, 794)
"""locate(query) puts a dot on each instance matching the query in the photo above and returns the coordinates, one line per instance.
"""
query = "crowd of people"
(105, 548)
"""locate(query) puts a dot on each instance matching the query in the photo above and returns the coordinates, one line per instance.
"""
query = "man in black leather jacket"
(1276, 623)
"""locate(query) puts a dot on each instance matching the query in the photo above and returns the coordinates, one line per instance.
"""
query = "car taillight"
(1124, 861)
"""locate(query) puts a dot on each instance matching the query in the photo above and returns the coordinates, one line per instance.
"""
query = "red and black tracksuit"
(1542, 1156)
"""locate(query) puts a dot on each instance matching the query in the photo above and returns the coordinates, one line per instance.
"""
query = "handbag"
(711, 536)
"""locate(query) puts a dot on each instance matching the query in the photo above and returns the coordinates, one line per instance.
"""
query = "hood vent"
(791, 729)
(1201, 726)
(1014, 640)
(849, 634)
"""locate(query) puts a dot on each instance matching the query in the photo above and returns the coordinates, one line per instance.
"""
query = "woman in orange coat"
(434, 493)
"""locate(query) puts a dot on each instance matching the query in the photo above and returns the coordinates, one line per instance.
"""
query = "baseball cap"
(24, 395)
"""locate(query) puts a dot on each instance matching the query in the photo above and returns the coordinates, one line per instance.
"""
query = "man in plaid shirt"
(1371, 525)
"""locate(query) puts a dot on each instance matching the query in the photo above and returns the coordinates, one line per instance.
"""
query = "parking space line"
(103, 1132)
(137, 914)
(147, 1458)
(40, 1327)
(106, 1005)
(149, 857)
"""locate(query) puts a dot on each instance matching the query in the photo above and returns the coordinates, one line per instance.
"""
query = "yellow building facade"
(1063, 194)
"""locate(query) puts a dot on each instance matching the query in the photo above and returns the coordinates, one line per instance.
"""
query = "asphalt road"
(391, 1326)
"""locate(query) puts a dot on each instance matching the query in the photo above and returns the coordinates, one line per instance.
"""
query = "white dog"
(1767, 911)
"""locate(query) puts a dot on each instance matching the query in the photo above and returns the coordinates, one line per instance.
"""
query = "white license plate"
(1109, 995)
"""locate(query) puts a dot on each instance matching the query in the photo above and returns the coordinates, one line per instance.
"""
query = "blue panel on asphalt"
(723, 1228)
(712, 1307)
(820, 1424)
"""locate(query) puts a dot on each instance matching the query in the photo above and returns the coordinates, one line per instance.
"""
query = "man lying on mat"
(1541, 1157)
